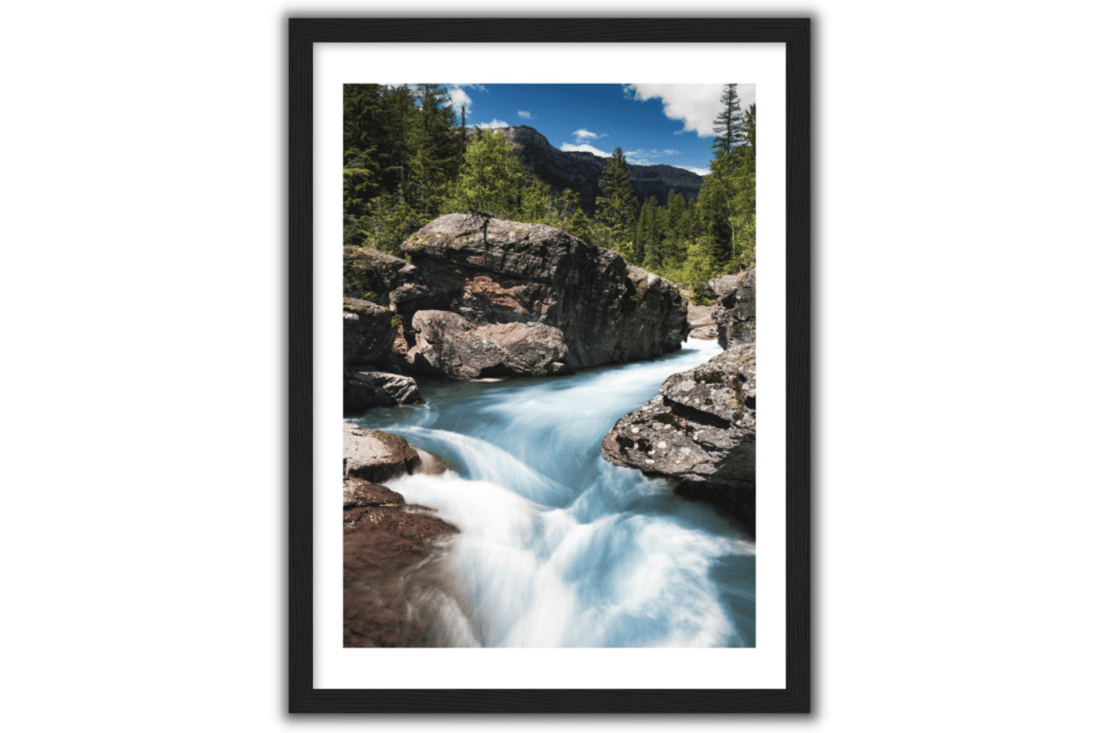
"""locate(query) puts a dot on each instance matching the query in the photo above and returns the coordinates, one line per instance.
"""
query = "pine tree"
(648, 244)
(617, 207)
(675, 249)
(728, 124)
(362, 129)
(436, 151)
(398, 110)
(715, 212)
(743, 214)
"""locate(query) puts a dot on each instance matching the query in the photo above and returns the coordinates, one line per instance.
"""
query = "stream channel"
(559, 548)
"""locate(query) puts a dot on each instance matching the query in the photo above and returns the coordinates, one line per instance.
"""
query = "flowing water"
(558, 547)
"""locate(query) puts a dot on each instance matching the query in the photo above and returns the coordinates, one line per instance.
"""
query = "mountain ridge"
(581, 171)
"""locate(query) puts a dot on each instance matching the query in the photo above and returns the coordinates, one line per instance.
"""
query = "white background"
(335, 667)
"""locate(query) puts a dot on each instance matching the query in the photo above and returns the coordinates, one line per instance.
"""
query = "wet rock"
(360, 493)
(375, 455)
(699, 431)
(366, 389)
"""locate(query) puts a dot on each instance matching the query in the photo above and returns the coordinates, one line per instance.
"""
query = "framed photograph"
(537, 267)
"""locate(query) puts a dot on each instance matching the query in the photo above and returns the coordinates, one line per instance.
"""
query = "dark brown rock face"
(392, 555)
(530, 299)
(369, 330)
(699, 431)
(736, 311)
(366, 389)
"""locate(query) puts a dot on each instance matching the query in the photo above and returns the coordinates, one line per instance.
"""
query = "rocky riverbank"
(478, 297)
(700, 429)
(392, 550)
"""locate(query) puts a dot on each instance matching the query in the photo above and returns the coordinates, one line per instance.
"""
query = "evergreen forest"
(409, 158)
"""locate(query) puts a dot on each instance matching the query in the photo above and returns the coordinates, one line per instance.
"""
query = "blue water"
(559, 548)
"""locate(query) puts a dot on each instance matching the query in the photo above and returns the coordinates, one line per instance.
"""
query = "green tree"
(715, 212)
(436, 151)
(675, 229)
(396, 144)
(647, 239)
(617, 207)
(362, 128)
(727, 126)
(743, 208)
(491, 180)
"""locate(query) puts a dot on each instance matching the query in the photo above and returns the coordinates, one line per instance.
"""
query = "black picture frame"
(794, 33)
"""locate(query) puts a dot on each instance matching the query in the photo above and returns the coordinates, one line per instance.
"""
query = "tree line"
(408, 160)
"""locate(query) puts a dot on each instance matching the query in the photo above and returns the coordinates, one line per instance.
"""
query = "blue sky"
(670, 124)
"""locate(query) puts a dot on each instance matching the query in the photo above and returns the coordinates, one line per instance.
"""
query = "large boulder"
(376, 456)
(366, 389)
(369, 330)
(735, 314)
(699, 431)
(448, 344)
(575, 305)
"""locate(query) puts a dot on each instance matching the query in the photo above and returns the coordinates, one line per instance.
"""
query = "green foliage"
(491, 180)
(407, 160)
(701, 294)
(743, 214)
(728, 124)
(617, 207)
(715, 210)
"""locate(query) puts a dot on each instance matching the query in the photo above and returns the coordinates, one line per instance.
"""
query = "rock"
(376, 456)
(529, 299)
(701, 322)
(369, 330)
(390, 557)
(699, 431)
(366, 389)
(392, 561)
(372, 275)
(735, 315)
(448, 344)
(359, 493)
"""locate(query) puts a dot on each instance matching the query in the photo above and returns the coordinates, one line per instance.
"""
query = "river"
(559, 548)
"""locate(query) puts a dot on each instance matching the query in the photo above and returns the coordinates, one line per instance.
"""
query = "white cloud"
(524, 115)
(671, 152)
(698, 171)
(695, 104)
(570, 148)
(494, 125)
(586, 135)
(459, 98)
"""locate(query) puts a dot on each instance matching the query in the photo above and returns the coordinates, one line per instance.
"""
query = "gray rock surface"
(492, 272)
(448, 344)
(701, 322)
(699, 431)
(366, 389)
(735, 314)
(376, 456)
(369, 330)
